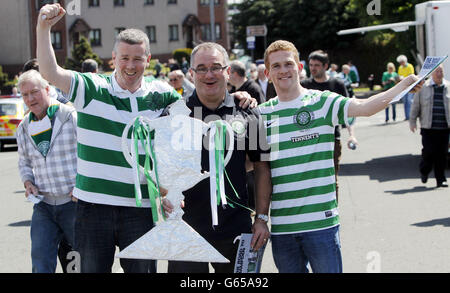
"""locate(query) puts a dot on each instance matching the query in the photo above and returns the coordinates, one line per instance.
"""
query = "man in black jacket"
(318, 65)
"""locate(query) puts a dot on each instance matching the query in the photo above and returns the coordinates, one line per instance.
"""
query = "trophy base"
(173, 240)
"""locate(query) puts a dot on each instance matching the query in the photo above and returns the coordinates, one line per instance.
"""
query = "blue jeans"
(407, 101)
(321, 249)
(99, 228)
(49, 224)
(394, 114)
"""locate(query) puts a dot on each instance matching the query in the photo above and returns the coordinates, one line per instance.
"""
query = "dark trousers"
(100, 228)
(63, 250)
(434, 152)
(225, 247)
(394, 114)
(337, 158)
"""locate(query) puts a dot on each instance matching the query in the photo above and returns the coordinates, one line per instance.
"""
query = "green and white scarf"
(41, 130)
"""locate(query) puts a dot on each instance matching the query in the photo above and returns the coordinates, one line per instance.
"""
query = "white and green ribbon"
(142, 133)
(217, 167)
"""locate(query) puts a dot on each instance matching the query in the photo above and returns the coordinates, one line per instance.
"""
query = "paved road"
(391, 222)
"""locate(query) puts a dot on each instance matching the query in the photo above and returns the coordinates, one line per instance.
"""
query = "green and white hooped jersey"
(104, 109)
(301, 136)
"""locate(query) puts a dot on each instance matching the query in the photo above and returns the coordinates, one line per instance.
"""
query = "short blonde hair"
(390, 65)
(280, 46)
(32, 75)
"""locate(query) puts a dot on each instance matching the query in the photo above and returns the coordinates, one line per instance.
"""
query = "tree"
(313, 25)
(308, 24)
(81, 52)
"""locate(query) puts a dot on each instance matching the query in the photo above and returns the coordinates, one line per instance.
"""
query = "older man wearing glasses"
(209, 102)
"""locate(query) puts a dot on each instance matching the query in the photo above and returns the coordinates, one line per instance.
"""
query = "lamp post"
(213, 20)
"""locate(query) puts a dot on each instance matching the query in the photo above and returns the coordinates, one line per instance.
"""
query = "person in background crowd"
(432, 107)
(349, 79)
(265, 84)
(89, 65)
(318, 65)
(184, 87)
(389, 79)
(354, 70)
(404, 70)
(333, 71)
(243, 84)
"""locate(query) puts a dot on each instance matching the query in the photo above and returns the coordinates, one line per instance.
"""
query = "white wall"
(14, 32)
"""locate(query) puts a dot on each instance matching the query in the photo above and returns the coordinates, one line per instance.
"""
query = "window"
(94, 3)
(95, 37)
(149, 2)
(119, 2)
(40, 3)
(206, 32)
(172, 2)
(218, 31)
(151, 33)
(56, 40)
(173, 32)
(118, 30)
(206, 2)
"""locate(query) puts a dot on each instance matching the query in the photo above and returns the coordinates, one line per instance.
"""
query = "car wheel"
(1, 147)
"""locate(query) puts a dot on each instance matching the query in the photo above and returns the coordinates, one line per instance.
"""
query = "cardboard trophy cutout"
(177, 145)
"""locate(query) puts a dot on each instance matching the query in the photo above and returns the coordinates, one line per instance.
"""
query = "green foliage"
(313, 25)
(178, 54)
(5, 83)
(308, 24)
(81, 52)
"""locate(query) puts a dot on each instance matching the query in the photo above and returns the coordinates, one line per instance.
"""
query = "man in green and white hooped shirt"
(107, 214)
(300, 131)
(106, 211)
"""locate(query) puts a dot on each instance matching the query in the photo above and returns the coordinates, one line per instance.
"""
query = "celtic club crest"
(303, 118)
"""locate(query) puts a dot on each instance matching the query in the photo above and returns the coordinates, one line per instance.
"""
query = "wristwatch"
(262, 217)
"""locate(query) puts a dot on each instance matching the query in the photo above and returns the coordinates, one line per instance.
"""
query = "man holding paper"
(46, 140)
(300, 131)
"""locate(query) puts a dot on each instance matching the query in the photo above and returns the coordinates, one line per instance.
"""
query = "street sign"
(251, 45)
(257, 31)
(251, 39)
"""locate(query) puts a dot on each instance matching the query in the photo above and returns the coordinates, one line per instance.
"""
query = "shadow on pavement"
(416, 189)
(385, 169)
(21, 224)
(437, 222)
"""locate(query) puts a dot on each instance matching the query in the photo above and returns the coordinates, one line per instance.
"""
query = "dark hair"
(31, 65)
(238, 67)
(319, 55)
(89, 65)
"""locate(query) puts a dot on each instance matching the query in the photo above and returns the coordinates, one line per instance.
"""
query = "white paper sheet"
(429, 65)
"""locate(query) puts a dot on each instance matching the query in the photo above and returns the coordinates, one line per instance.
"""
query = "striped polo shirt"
(301, 136)
(104, 109)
